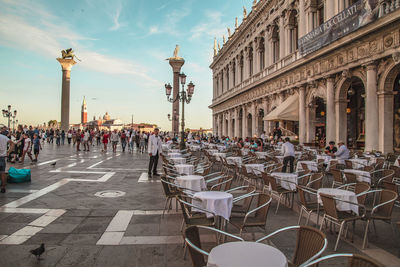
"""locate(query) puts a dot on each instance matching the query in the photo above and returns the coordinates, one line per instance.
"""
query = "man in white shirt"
(86, 140)
(114, 140)
(288, 155)
(4, 140)
(154, 149)
(343, 152)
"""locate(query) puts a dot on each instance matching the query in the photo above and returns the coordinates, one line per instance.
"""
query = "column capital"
(176, 64)
(66, 63)
(372, 65)
(330, 78)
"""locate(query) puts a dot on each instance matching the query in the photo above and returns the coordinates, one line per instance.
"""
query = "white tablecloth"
(179, 160)
(326, 158)
(372, 159)
(248, 254)
(261, 155)
(195, 147)
(396, 163)
(221, 147)
(185, 168)
(174, 151)
(361, 176)
(359, 163)
(286, 180)
(312, 165)
(164, 146)
(245, 151)
(212, 151)
(193, 182)
(174, 155)
(233, 160)
(343, 195)
(255, 168)
(218, 202)
(218, 156)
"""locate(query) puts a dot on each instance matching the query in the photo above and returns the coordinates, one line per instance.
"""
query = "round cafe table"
(359, 163)
(254, 168)
(312, 165)
(216, 201)
(174, 155)
(193, 182)
(179, 160)
(233, 160)
(187, 169)
(286, 180)
(261, 155)
(174, 151)
(212, 151)
(343, 195)
(361, 176)
(239, 254)
(218, 156)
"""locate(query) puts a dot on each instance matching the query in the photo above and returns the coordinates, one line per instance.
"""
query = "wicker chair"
(170, 194)
(310, 244)
(348, 164)
(350, 177)
(381, 211)
(353, 260)
(315, 181)
(192, 239)
(260, 214)
(307, 207)
(276, 190)
(396, 170)
(190, 218)
(337, 177)
(245, 199)
(337, 217)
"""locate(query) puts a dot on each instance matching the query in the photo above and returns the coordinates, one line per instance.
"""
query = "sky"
(123, 46)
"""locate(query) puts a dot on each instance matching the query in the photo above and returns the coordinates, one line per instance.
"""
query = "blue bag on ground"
(19, 175)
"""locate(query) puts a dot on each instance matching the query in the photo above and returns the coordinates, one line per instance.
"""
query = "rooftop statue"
(68, 53)
(236, 23)
(244, 13)
(176, 52)
(229, 32)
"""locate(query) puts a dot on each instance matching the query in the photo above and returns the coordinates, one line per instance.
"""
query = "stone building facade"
(347, 89)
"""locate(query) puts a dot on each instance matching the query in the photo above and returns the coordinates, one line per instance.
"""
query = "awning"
(287, 111)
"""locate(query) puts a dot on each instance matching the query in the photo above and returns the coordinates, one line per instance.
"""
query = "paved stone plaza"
(60, 208)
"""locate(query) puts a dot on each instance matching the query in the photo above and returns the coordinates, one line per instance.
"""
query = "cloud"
(210, 28)
(153, 30)
(47, 38)
(115, 19)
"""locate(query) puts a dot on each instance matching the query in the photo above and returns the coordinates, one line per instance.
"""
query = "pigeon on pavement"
(38, 251)
(54, 163)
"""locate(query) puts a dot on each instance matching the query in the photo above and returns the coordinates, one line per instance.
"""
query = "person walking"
(69, 137)
(86, 137)
(78, 139)
(114, 140)
(142, 142)
(154, 149)
(123, 140)
(36, 146)
(62, 137)
(27, 149)
(288, 155)
(4, 141)
(105, 141)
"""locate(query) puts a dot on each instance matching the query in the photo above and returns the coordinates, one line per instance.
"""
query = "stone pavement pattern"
(59, 208)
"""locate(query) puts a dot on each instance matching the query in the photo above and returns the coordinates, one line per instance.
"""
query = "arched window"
(275, 43)
(293, 31)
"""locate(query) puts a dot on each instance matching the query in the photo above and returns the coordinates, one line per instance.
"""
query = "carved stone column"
(254, 119)
(237, 125)
(229, 119)
(330, 110)
(256, 58)
(371, 109)
(282, 37)
(302, 114)
(386, 112)
(302, 19)
(214, 124)
(66, 65)
(176, 65)
(244, 122)
(341, 118)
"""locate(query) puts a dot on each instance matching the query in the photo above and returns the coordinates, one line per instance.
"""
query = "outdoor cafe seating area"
(228, 197)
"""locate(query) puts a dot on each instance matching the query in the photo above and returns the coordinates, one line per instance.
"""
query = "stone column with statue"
(66, 61)
(176, 63)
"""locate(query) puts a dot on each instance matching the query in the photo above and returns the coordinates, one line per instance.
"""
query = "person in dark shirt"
(331, 149)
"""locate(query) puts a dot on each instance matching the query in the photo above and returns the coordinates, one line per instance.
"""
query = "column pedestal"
(66, 65)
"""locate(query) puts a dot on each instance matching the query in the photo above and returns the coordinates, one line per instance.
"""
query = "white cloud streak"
(115, 19)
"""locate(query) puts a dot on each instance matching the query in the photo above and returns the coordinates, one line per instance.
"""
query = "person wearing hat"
(343, 152)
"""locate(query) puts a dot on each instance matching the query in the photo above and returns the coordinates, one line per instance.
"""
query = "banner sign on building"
(349, 20)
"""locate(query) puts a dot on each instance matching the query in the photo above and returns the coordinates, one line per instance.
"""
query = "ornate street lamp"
(8, 114)
(184, 97)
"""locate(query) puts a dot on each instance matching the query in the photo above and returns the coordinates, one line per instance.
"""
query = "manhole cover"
(110, 193)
